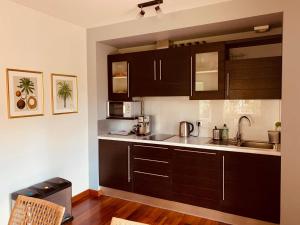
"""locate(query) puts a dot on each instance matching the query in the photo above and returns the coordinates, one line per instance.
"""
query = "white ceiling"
(92, 13)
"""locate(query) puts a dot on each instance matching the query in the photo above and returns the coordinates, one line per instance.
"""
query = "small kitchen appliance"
(185, 129)
(123, 110)
(143, 126)
(217, 133)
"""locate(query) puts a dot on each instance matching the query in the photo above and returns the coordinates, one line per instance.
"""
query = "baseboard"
(95, 193)
(86, 194)
(184, 208)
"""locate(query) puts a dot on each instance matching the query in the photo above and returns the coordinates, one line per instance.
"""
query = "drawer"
(152, 184)
(154, 152)
(151, 166)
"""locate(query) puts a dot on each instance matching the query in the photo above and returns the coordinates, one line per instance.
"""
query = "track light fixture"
(157, 8)
(155, 3)
(142, 12)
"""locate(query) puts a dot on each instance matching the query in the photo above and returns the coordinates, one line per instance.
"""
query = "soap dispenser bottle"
(225, 132)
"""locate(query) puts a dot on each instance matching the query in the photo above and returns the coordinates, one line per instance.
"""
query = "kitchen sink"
(247, 144)
(254, 144)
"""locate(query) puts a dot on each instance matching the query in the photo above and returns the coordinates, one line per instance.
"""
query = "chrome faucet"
(238, 134)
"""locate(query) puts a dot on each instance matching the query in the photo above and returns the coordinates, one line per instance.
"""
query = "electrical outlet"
(198, 123)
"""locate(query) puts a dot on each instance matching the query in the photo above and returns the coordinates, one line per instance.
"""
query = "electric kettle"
(185, 129)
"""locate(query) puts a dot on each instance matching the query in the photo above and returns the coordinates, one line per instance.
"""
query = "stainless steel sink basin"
(248, 144)
(254, 144)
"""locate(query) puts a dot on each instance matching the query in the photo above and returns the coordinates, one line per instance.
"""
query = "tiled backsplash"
(167, 112)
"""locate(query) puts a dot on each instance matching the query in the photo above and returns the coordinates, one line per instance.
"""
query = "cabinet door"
(195, 177)
(144, 74)
(207, 71)
(119, 77)
(258, 78)
(251, 186)
(151, 170)
(174, 72)
(114, 164)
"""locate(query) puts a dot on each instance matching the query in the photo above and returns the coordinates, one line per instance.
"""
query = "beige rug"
(118, 221)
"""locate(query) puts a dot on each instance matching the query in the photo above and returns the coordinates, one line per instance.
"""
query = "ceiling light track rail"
(150, 3)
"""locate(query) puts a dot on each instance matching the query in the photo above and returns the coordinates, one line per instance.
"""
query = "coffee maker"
(143, 126)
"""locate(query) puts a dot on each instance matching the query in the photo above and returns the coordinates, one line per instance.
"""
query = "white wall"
(38, 148)
(290, 194)
(97, 109)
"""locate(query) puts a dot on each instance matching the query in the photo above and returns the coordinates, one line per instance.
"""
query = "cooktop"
(158, 137)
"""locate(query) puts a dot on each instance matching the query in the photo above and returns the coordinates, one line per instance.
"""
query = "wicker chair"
(32, 211)
(118, 221)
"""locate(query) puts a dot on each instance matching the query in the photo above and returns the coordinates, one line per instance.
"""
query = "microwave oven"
(123, 110)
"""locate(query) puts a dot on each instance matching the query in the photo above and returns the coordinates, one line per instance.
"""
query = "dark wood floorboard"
(99, 211)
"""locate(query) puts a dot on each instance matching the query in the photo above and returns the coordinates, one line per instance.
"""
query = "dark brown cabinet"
(151, 170)
(173, 71)
(254, 68)
(160, 73)
(196, 177)
(239, 183)
(207, 71)
(251, 185)
(114, 164)
(144, 75)
(258, 78)
(119, 86)
(223, 70)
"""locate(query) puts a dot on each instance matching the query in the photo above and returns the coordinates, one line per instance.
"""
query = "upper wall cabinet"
(241, 69)
(119, 77)
(144, 74)
(254, 69)
(207, 71)
(160, 73)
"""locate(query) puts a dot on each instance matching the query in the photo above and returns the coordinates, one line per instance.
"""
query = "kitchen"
(246, 178)
(169, 106)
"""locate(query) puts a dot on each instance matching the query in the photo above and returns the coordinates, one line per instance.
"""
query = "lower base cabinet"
(251, 186)
(114, 165)
(151, 170)
(237, 183)
(196, 177)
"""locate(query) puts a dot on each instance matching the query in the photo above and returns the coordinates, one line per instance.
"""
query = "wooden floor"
(96, 211)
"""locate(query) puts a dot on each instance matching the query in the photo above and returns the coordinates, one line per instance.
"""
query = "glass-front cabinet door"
(207, 71)
(119, 77)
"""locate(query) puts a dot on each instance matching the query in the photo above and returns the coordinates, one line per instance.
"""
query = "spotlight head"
(157, 8)
(142, 12)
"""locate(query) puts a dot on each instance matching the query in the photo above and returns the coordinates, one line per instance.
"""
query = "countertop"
(191, 142)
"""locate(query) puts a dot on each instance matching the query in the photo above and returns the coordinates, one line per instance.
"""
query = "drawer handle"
(146, 146)
(150, 174)
(151, 160)
(204, 153)
(223, 176)
(128, 169)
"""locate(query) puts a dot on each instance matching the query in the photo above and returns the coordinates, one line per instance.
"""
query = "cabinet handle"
(191, 75)
(151, 160)
(227, 84)
(160, 64)
(154, 67)
(146, 146)
(151, 174)
(128, 73)
(128, 159)
(189, 151)
(223, 177)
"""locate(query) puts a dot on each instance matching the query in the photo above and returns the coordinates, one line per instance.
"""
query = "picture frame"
(64, 94)
(25, 93)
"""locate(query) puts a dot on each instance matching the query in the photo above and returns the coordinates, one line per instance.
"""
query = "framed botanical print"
(25, 93)
(64, 94)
